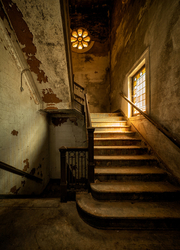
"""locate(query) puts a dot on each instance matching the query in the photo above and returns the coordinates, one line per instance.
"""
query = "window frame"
(142, 61)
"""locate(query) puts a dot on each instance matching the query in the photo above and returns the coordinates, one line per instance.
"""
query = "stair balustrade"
(77, 164)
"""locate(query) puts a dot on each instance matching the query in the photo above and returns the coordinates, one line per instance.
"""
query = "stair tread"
(119, 147)
(108, 126)
(124, 157)
(105, 121)
(118, 132)
(117, 139)
(127, 209)
(108, 114)
(134, 187)
(128, 170)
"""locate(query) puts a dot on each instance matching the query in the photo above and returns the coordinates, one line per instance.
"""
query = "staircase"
(130, 190)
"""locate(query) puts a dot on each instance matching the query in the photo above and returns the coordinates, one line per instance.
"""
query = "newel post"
(90, 155)
(63, 184)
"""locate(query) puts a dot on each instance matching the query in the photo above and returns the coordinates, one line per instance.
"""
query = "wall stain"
(14, 132)
(58, 121)
(25, 37)
(74, 120)
(14, 190)
(88, 59)
(26, 166)
(33, 170)
(23, 183)
(49, 96)
(51, 108)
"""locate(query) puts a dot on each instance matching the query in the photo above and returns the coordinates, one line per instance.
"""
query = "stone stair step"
(119, 150)
(114, 134)
(113, 128)
(142, 173)
(109, 124)
(128, 215)
(109, 119)
(125, 160)
(116, 141)
(135, 190)
(105, 115)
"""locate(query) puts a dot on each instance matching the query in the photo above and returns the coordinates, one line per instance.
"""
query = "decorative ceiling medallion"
(81, 40)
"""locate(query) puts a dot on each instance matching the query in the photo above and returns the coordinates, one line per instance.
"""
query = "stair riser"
(114, 135)
(118, 129)
(108, 124)
(146, 196)
(113, 152)
(105, 115)
(108, 119)
(133, 177)
(120, 163)
(117, 143)
(129, 223)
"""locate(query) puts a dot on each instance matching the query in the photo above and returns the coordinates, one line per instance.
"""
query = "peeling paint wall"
(153, 24)
(23, 132)
(66, 129)
(91, 69)
(38, 28)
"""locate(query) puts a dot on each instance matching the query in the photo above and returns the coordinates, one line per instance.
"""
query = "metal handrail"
(14, 170)
(156, 124)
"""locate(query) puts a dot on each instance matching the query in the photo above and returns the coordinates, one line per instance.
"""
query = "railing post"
(63, 184)
(90, 155)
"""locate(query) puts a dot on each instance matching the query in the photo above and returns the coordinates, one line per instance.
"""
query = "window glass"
(139, 90)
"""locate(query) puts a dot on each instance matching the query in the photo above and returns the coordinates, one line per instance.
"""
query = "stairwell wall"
(136, 26)
(24, 130)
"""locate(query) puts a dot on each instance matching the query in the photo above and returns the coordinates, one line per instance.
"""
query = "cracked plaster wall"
(153, 24)
(38, 27)
(24, 131)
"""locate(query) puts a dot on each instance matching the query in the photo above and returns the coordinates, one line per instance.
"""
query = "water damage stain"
(73, 120)
(23, 183)
(51, 108)
(88, 59)
(58, 121)
(14, 132)
(49, 96)
(33, 170)
(25, 37)
(26, 166)
(14, 190)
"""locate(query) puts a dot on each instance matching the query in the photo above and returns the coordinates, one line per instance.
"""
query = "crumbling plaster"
(136, 26)
(38, 27)
(23, 133)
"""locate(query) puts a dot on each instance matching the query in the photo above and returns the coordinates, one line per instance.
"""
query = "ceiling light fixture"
(80, 39)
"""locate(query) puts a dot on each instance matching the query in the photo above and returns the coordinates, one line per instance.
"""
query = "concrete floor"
(48, 224)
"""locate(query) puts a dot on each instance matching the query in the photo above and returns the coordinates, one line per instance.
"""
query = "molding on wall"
(21, 63)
